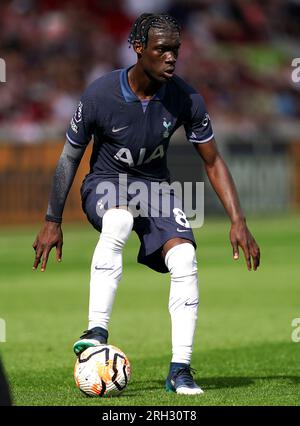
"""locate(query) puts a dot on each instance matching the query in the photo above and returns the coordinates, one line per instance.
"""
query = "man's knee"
(181, 260)
(116, 227)
(184, 294)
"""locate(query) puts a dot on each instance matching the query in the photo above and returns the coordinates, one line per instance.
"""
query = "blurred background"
(237, 53)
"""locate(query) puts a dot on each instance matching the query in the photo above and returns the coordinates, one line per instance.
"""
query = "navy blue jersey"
(131, 136)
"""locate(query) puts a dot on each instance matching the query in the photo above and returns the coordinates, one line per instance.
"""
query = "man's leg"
(180, 259)
(106, 271)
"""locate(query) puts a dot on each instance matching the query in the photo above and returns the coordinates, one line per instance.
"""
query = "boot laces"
(186, 374)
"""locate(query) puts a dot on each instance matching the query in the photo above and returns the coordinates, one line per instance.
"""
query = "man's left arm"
(223, 184)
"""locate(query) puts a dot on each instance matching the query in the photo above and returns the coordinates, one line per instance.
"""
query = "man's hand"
(50, 236)
(241, 236)
(222, 182)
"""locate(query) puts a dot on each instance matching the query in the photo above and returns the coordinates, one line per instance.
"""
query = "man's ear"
(138, 47)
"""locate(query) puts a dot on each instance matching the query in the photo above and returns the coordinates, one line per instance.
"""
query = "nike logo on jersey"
(182, 230)
(114, 130)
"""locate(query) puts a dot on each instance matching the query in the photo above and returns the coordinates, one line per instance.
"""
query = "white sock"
(106, 268)
(184, 299)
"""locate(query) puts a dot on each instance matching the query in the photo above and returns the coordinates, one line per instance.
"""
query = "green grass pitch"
(243, 352)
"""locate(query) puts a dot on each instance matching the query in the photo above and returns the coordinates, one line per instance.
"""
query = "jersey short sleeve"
(82, 124)
(198, 127)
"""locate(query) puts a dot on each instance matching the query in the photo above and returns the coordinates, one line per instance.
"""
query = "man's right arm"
(51, 234)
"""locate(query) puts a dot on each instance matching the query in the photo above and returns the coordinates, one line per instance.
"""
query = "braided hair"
(140, 28)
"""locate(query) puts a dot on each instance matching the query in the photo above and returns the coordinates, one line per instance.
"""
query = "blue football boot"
(180, 380)
(94, 337)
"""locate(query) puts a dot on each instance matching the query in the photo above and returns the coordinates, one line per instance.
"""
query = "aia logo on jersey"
(125, 155)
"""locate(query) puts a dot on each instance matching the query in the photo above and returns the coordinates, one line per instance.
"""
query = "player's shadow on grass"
(211, 383)
(205, 383)
(233, 382)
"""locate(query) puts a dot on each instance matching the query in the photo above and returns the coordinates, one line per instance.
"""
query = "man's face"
(159, 57)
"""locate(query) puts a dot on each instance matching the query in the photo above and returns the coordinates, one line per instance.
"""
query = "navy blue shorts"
(157, 213)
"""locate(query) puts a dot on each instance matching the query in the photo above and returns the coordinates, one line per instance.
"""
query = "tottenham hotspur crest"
(166, 133)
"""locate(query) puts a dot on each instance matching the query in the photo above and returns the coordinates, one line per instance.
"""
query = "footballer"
(132, 114)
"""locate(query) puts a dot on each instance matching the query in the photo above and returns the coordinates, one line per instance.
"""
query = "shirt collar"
(129, 95)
